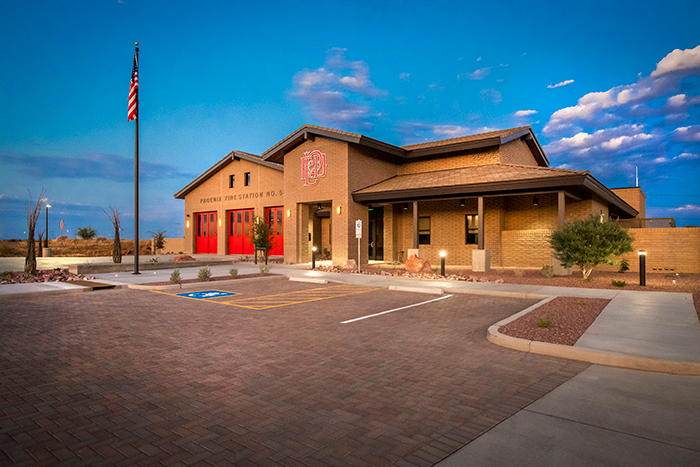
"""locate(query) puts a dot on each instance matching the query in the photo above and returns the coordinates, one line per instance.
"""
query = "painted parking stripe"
(395, 309)
(300, 296)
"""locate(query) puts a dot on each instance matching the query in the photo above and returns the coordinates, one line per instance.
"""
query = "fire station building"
(489, 198)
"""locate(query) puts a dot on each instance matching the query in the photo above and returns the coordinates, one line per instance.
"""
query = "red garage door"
(206, 232)
(240, 226)
(274, 220)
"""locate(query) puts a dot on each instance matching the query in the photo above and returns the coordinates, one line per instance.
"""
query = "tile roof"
(481, 174)
(467, 138)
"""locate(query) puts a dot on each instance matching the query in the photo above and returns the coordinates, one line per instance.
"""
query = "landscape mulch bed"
(213, 279)
(567, 319)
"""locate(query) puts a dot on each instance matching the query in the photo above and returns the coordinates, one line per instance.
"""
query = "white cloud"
(687, 133)
(558, 85)
(481, 73)
(492, 94)
(450, 131)
(404, 76)
(687, 59)
(677, 100)
(686, 209)
(687, 156)
(328, 91)
(525, 113)
(607, 140)
(478, 59)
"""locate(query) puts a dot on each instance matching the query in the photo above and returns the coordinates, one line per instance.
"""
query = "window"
(231, 180)
(424, 230)
(246, 181)
(471, 227)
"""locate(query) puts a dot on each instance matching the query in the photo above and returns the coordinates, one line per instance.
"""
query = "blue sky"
(607, 87)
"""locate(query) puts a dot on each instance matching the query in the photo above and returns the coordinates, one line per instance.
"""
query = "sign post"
(358, 235)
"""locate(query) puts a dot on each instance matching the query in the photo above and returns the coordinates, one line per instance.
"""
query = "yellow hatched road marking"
(300, 296)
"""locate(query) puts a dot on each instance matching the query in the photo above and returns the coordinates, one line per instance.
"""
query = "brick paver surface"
(126, 377)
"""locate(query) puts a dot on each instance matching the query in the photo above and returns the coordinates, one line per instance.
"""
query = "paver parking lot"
(138, 377)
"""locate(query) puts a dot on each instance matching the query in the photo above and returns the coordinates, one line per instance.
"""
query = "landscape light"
(642, 267)
(442, 262)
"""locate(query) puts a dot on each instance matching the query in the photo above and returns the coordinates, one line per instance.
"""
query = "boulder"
(177, 259)
(415, 265)
(350, 264)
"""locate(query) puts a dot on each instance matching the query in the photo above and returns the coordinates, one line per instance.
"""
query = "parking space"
(131, 376)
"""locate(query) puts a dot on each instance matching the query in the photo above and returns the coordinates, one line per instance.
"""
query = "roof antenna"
(636, 176)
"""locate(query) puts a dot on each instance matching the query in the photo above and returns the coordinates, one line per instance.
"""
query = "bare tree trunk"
(115, 218)
(33, 212)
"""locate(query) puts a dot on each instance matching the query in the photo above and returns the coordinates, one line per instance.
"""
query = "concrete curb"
(430, 290)
(311, 280)
(587, 355)
(192, 284)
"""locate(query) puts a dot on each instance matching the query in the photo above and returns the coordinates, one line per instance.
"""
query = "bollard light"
(642, 267)
(313, 258)
(442, 262)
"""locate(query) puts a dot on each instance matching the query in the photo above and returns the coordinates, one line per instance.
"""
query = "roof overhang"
(231, 156)
(575, 183)
(308, 133)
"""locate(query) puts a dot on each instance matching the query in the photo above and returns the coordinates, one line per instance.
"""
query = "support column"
(561, 209)
(415, 225)
(481, 258)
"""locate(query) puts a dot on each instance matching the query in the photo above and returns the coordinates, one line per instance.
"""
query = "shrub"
(175, 277)
(264, 268)
(233, 272)
(159, 239)
(548, 271)
(624, 266)
(590, 242)
(153, 260)
(204, 274)
(545, 322)
(518, 272)
(619, 283)
(61, 238)
(101, 239)
(86, 233)
(7, 275)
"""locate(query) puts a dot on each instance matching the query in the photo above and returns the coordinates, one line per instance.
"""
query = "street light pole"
(46, 238)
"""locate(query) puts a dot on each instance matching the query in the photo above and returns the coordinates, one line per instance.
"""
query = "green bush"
(175, 277)
(264, 268)
(548, 271)
(233, 272)
(590, 242)
(545, 322)
(204, 274)
(159, 239)
(624, 266)
(619, 283)
(86, 233)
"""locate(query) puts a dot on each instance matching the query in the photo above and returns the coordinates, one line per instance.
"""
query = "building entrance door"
(240, 227)
(206, 232)
(274, 220)
(376, 233)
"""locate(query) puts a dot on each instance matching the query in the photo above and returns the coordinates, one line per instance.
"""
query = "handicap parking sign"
(204, 294)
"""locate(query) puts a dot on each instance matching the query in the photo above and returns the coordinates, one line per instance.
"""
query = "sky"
(609, 87)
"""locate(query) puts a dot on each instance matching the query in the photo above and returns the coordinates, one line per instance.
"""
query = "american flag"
(134, 91)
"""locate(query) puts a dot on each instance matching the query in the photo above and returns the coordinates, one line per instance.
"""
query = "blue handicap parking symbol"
(205, 294)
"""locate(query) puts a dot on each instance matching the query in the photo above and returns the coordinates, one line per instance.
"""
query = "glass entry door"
(376, 233)
(206, 232)
(240, 227)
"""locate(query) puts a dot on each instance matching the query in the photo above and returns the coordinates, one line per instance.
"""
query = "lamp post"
(442, 262)
(313, 257)
(46, 239)
(642, 267)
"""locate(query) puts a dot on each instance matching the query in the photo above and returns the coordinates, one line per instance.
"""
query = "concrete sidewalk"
(653, 331)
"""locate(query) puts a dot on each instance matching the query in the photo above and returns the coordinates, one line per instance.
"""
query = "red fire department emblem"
(313, 167)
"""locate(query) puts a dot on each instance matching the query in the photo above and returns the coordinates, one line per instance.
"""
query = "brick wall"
(214, 195)
(667, 249)
(464, 159)
(634, 196)
(526, 248)
(175, 245)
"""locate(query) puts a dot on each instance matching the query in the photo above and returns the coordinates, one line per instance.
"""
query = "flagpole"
(136, 180)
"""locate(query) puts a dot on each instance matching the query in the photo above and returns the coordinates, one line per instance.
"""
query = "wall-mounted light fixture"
(188, 224)
(289, 213)
(319, 207)
(462, 202)
(405, 206)
(535, 201)
(219, 222)
(338, 210)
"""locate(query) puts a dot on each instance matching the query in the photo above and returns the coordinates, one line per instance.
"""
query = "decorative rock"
(350, 264)
(183, 258)
(415, 265)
